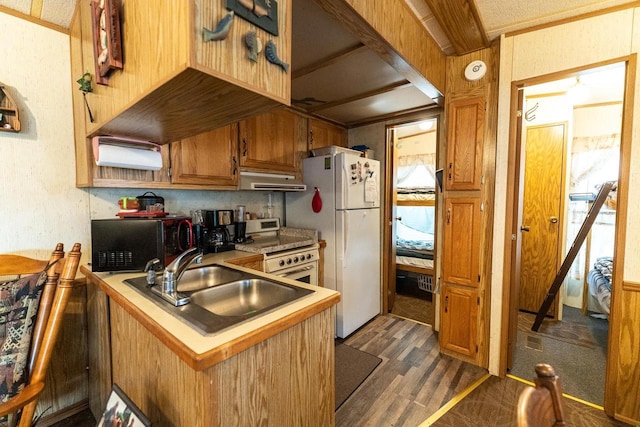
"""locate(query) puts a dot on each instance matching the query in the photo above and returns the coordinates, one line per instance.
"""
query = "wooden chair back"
(541, 406)
(61, 273)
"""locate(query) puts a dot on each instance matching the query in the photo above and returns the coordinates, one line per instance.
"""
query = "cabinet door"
(459, 321)
(461, 248)
(465, 143)
(209, 158)
(323, 134)
(99, 343)
(270, 142)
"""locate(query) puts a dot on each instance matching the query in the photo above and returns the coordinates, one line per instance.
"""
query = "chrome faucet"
(172, 274)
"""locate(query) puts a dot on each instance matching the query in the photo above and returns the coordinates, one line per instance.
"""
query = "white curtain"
(416, 171)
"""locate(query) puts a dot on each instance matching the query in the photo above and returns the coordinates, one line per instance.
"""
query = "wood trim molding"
(460, 21)
(329, 60)
(389, 88)
(630, 286)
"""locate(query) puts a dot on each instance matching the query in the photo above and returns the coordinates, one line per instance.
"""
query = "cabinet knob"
(524, 228)
(553, 220)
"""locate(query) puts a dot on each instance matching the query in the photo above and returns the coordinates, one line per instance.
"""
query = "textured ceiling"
(503, 16)
(56, 12)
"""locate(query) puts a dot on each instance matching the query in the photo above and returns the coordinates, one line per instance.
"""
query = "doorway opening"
(413, 213)
(569, 146)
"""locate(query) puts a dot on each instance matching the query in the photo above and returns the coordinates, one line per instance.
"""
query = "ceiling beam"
(393, 86)
(329, 60)
(461, 22)
(395, 115)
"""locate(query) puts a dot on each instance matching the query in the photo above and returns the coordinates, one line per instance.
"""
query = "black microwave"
(128, 244)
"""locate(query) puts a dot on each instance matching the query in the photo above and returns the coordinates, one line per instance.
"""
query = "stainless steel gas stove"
(288, 252)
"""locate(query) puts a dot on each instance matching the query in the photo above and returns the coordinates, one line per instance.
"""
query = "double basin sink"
(222, 296)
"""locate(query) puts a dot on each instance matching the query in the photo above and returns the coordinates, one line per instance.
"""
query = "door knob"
(524, 228)
(398, 218)
(553, 220)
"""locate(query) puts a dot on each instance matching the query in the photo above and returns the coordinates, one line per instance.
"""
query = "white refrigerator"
(349, 221)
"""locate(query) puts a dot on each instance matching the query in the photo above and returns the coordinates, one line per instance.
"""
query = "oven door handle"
(300, 270)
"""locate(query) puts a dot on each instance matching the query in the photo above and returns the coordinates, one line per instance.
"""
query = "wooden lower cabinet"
(286, 380)
(459, 308)
(66, 383)
(255, 262)
(99, 348)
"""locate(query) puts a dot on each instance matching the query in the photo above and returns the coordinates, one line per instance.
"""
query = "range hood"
(269, 182)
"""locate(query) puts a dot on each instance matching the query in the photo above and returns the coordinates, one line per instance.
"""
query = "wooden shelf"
(9, 112)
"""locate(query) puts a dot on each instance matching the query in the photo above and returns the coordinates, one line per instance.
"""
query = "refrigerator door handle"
(345, 240)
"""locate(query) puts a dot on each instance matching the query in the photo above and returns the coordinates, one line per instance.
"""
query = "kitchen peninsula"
(276, 369)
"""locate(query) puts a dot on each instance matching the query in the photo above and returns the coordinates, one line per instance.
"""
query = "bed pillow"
(19, 301)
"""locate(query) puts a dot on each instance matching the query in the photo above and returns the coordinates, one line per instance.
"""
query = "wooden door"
(465, 143)
(461, 248)
(209, 158)
(323, 134)
(270, 142)
(541, 213)
(459, 320)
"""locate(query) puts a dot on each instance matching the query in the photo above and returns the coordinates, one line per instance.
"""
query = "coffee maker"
(217, 223)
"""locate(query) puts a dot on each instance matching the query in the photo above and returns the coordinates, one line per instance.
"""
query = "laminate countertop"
(202, 351)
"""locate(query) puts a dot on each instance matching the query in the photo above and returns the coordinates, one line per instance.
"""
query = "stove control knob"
(281, 263)
(295, 259)
(308, 256)
(288, 260)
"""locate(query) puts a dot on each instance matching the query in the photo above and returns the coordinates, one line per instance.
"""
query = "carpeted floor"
(352, 368)
(576, 347)
(494, 403)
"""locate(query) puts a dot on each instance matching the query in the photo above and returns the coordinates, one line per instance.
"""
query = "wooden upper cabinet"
(465, 140)
(459, 324)
(175, 84)
(272, 142)
(323, 134)
(210, 158)
(461, 242)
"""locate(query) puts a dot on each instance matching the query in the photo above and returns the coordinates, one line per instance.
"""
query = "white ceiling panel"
(358, 73)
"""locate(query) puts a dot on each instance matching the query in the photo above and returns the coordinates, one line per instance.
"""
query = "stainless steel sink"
(222, 297)
(206, 277)
(243, 297)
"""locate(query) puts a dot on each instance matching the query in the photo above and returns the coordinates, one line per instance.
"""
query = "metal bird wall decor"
(221, 31)
(271, 52)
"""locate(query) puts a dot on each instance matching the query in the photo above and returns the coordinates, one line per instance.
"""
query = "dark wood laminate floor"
(413, 381)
